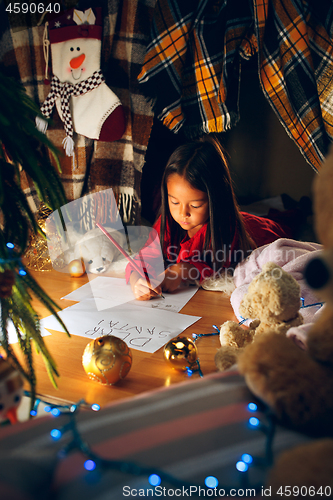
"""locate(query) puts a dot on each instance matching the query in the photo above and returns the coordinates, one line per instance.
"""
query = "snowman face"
(76, 60)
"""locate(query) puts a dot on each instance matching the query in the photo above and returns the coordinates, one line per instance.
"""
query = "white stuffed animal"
(94, 248)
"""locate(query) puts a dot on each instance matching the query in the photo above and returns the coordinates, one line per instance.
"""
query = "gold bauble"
(76, 268)
(181, 352)
(107, 359)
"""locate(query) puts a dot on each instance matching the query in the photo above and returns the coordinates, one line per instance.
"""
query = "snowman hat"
(74, 23)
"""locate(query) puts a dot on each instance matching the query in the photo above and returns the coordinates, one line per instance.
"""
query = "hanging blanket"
(97, 165)
(192, 65)
(295, 53)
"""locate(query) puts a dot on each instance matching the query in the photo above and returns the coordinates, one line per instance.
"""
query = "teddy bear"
(297, 384)
(272, 301)
(93, 247)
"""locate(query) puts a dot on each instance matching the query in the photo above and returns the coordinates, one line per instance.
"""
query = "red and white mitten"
(84, 102)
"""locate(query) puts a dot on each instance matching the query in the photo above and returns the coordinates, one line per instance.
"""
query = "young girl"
(201, 228)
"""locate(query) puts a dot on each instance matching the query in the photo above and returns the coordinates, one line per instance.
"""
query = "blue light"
(252, 407)
(22, 272)
(247, 458)
(154, 480)
(254, 421)
(242, 466)
(33, 413)
(89, 465)
(55, 434)
(47, 409)
(55, 412)
(10, 245)
(95, 407)
(211, 482)
(189, 371)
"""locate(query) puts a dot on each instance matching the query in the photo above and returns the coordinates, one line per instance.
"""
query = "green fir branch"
(24, 148)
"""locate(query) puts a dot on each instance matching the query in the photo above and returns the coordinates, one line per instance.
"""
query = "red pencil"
(142, 272)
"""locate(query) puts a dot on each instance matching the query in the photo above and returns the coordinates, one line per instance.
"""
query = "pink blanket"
(289, 254)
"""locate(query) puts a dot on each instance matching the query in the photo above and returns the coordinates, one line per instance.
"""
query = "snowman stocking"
(84, 102)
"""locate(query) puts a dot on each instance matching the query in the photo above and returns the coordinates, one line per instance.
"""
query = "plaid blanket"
(193, 65)
(97, 165)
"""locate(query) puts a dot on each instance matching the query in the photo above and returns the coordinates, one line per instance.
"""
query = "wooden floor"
(149, 371)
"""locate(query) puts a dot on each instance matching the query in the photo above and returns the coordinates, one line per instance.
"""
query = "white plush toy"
(94, 248)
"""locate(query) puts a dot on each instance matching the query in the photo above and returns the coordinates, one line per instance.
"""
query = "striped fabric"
(189, 431)
(97, 165)
(193, 65)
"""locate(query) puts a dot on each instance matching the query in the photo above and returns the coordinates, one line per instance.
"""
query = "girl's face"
(188, 206)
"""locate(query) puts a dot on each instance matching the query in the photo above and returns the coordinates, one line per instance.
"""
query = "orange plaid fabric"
(193, 65)
(190, 58)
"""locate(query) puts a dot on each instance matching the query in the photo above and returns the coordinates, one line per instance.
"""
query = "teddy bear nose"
(77, 61)
(317, 273)
(100, 269)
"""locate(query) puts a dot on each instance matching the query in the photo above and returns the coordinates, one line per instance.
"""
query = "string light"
(55, 434)
(211, 482)
(254, 421)
(247, 458)
(154, 480)
(252, 407)
(154, 477)
(241, 466)
(55, 412)
(90, 465)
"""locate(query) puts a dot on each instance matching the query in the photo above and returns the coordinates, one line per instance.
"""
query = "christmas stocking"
(84, 102)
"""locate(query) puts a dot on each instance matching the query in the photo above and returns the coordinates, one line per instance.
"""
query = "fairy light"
(247, 458)
(241, 466)
(89, 465)
(55, 412)
(154, 480)
(155, 477)
(211, 482)
(254, 422)
(252, 407)
(55, 434)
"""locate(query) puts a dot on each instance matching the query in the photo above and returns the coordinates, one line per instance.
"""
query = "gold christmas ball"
(181, 352)
(107, 359)
(76, 268)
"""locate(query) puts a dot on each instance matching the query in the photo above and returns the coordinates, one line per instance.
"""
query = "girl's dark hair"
(203, 164)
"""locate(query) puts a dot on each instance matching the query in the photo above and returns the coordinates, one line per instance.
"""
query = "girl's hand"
(175, 274)
(143, 290)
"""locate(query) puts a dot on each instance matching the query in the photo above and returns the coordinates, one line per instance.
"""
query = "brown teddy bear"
(272, 301)
(298, 384)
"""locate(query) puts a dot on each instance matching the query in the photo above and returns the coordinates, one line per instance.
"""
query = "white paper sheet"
(140, 330)
(115, 292)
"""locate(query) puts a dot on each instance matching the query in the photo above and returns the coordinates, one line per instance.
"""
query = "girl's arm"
(175, 274)
(143, 290)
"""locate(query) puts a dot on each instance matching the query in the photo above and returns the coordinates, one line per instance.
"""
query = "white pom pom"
(68, 145)
(41, 124)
